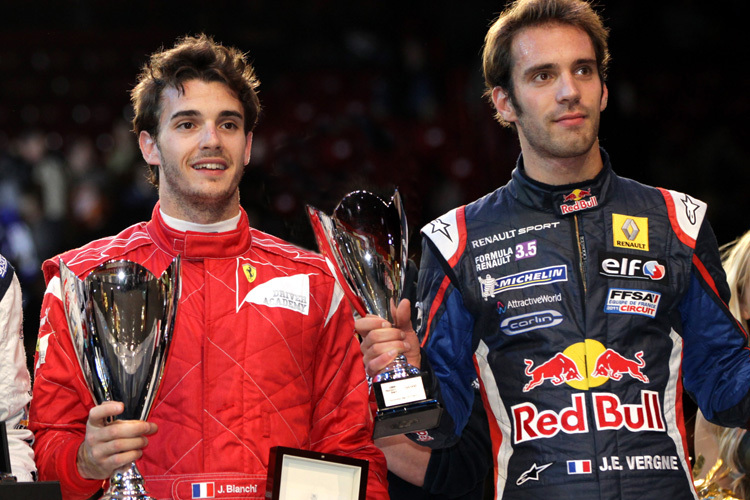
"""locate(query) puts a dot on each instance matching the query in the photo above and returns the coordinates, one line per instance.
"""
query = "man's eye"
(542, 77)
(585, 70)
(230, 125)
(185, 125)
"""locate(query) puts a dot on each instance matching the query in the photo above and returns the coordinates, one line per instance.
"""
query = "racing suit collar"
(196, 245)
(562, 200)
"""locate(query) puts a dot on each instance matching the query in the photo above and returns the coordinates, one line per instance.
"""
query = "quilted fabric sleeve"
(716, 359)
(61, 402)
(342, 422)
(15, 384)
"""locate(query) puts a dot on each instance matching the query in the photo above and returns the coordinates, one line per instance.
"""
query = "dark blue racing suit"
(584, 310)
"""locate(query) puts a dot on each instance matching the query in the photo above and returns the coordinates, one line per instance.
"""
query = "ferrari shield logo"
(250, 272)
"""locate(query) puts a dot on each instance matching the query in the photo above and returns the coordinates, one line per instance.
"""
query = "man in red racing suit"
(263, 350)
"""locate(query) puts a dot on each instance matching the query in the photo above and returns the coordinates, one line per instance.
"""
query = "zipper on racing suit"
(581, 245)
(582, 256)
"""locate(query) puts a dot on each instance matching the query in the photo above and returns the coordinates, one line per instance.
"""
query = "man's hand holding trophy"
(121, 319)
(366, 245)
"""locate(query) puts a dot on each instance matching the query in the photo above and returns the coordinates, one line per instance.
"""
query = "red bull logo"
(559, 369)
(576, 195)
(613, 365)
(572, 368)
(581, 199)
(609, 414)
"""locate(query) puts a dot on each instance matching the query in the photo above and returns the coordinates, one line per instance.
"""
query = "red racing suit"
(262, 354)
(584, 310)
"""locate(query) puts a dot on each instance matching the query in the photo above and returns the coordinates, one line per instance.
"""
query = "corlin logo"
(531, 321)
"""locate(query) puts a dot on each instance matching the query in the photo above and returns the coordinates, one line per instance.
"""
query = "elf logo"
(619, 265)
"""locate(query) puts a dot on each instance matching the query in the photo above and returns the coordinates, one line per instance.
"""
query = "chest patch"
(287, 292)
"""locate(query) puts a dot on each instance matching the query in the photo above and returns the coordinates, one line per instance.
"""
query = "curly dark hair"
(193, 57)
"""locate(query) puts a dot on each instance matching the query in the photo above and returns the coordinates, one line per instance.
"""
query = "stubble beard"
(192, 199)
(543, 141)
(550, 143)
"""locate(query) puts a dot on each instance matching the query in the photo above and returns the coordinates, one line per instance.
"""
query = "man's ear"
(605, 97)
(248, 147)
(503, 105)
(149, 148)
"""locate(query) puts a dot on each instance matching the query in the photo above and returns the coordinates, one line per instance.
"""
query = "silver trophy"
(366, 242)
(121, 319)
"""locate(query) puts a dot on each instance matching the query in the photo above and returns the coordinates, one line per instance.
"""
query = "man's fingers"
(116, 461)
(382, 335)
(403, 315)
(379, 363)
(101, 414)
(363, 326)
(109, 447)
(124, 429)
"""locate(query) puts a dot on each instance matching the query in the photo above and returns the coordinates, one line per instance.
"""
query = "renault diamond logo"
(630, 228)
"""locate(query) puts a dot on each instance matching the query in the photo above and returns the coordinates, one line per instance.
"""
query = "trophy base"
(411, 417)
(127, 484)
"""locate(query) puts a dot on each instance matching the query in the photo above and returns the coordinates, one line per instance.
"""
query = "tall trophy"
(121, 319)
(366, 244)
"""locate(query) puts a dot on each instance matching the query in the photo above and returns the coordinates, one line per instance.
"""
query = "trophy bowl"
(121, 319)
(366, 245)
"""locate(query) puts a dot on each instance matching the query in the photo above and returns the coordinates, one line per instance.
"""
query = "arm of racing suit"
(446, 329)
(342, 422)
(61, 403)
(15, 385)
(716, 358)
(462, 468)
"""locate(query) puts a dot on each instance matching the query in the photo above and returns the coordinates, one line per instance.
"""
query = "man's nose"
(210, 137)
(568, 90)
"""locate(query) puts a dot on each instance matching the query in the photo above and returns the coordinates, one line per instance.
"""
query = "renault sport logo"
(492, 286)
(531, 321)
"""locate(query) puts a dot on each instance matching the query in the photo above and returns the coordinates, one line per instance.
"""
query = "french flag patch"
(203, 490)
(579, 466)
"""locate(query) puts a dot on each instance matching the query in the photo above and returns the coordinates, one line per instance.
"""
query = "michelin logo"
(492, 286)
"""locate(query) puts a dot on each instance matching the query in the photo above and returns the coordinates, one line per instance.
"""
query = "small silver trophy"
(121, 319)
(366, 243)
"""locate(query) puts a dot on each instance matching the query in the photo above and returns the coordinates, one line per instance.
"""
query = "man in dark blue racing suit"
(584, 302)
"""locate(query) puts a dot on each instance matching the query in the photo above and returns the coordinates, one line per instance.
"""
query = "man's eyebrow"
(587, 60)
(549, 66)
(539, 67)
(184, 113)
(235, 114)
(193, 113)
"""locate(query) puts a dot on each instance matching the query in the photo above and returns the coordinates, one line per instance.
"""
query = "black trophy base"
(410, 417)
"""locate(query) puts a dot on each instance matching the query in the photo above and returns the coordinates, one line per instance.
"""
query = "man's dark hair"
(192, 58)
(497, 60)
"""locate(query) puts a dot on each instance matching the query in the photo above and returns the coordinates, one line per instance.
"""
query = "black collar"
(562, 200)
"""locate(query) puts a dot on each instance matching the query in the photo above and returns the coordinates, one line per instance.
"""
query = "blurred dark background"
(359, 94)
